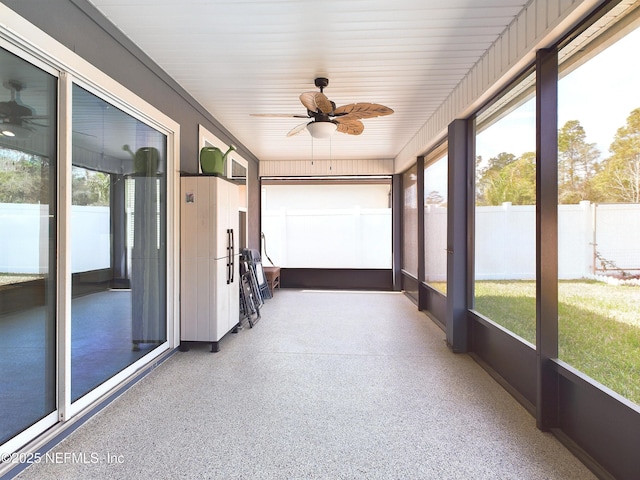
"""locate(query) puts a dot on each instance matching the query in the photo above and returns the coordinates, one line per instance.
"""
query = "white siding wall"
(289, 168)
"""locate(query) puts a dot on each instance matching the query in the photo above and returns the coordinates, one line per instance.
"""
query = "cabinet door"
(233, 201)
(219, 298)
(195, 312)
(234, 223)
(234, 294)
(188, 263)
(198, 233)
(220, 209)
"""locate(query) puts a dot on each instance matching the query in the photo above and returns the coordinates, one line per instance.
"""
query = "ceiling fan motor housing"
(321, 82)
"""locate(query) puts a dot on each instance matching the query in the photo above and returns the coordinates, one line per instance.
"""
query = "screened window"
(328, 223)
(599, 207)
(435, 219)
(505, 212)
(410, 221)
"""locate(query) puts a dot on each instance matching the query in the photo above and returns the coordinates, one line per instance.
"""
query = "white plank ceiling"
(238, 57)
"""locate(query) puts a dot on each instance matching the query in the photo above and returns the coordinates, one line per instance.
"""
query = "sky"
(600, 94)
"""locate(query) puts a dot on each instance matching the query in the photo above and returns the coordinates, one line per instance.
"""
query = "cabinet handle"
(228, 256)
(233, 257)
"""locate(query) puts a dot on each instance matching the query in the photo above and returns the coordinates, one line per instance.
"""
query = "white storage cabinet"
(209, 299)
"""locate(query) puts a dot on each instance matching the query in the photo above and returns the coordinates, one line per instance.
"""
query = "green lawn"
(599, 326)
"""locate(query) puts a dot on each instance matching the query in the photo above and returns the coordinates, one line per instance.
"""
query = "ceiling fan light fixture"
(15, 131)
(321, 129)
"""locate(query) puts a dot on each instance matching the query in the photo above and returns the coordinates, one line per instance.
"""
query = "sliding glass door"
(87, 198)
(27, 245)
(118, 242)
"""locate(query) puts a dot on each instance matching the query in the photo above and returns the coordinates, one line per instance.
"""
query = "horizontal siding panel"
(513, 43)
(542, 19)
(522, 35)
(296, 168)
(553, 12)
(531, 25)
(565, 5)
(503, 53)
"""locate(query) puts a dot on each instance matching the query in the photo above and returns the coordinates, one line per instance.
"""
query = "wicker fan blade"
(316, 102)
(278, 115)
(347, 118)
(363, 110)
(351, 126)
(296, 130)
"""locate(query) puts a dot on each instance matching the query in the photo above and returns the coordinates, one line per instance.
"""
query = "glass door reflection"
(27, 245)
(118, 219)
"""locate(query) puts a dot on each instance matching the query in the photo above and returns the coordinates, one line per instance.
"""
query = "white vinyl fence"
(24, 231)
(591, 237)
(505, 239)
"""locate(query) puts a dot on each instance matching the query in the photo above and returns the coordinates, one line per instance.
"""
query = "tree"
(89, 188)
(23, 177)
(577, 164)
(508, 179)
(434, 198)
(488, 177)
(619, 180)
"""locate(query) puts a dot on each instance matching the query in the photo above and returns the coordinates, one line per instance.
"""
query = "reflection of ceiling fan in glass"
(16, 118)
(327, 118)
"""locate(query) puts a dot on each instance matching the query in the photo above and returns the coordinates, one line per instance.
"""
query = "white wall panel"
(287, 168)
(513, 42)
(530, 14)
(521, 29)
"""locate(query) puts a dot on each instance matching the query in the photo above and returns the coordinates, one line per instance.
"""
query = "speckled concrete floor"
(328, 385)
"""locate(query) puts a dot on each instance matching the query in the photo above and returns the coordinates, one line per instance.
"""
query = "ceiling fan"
(326, 118)
(16, 118)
